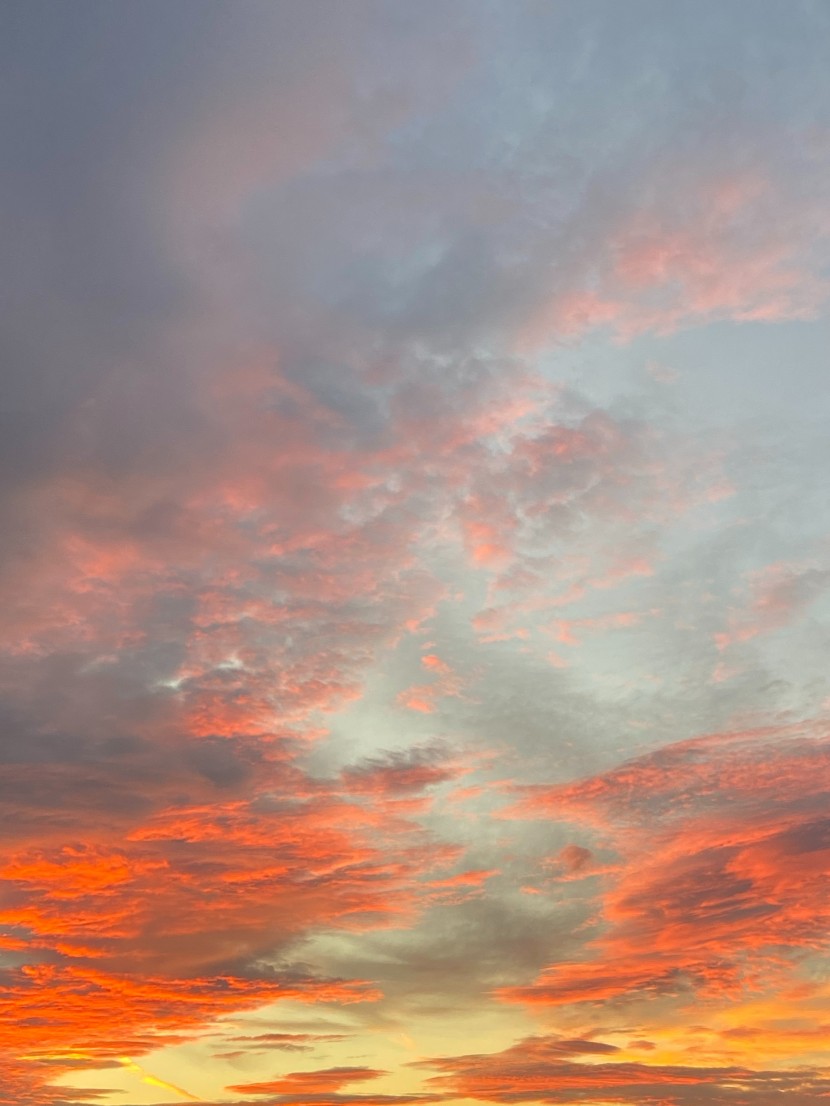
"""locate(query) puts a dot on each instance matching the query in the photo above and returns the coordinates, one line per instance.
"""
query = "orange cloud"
(724, 850)
(555, 1070)
(304, 1083)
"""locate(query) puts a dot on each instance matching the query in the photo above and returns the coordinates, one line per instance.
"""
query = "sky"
(415, 552)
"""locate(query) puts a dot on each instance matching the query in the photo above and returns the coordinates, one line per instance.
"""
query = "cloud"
(778, 594)
(302, 1083)
(573, 859)
(288, 305)
(403, 772)
(548, 1069)
(723, 844)
(423, 697)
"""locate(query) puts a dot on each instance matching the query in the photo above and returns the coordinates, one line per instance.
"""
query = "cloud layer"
(413, 557)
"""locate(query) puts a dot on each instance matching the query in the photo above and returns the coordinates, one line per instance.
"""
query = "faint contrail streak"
(152, 1081)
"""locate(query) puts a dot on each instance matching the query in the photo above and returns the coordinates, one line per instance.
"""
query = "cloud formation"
(721, 847)
(544, 1069)
(412, 565)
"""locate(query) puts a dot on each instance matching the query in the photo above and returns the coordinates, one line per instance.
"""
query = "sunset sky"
(415, 552)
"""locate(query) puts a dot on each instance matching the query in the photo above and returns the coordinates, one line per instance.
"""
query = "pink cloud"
(778, 595)
(719, 244)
